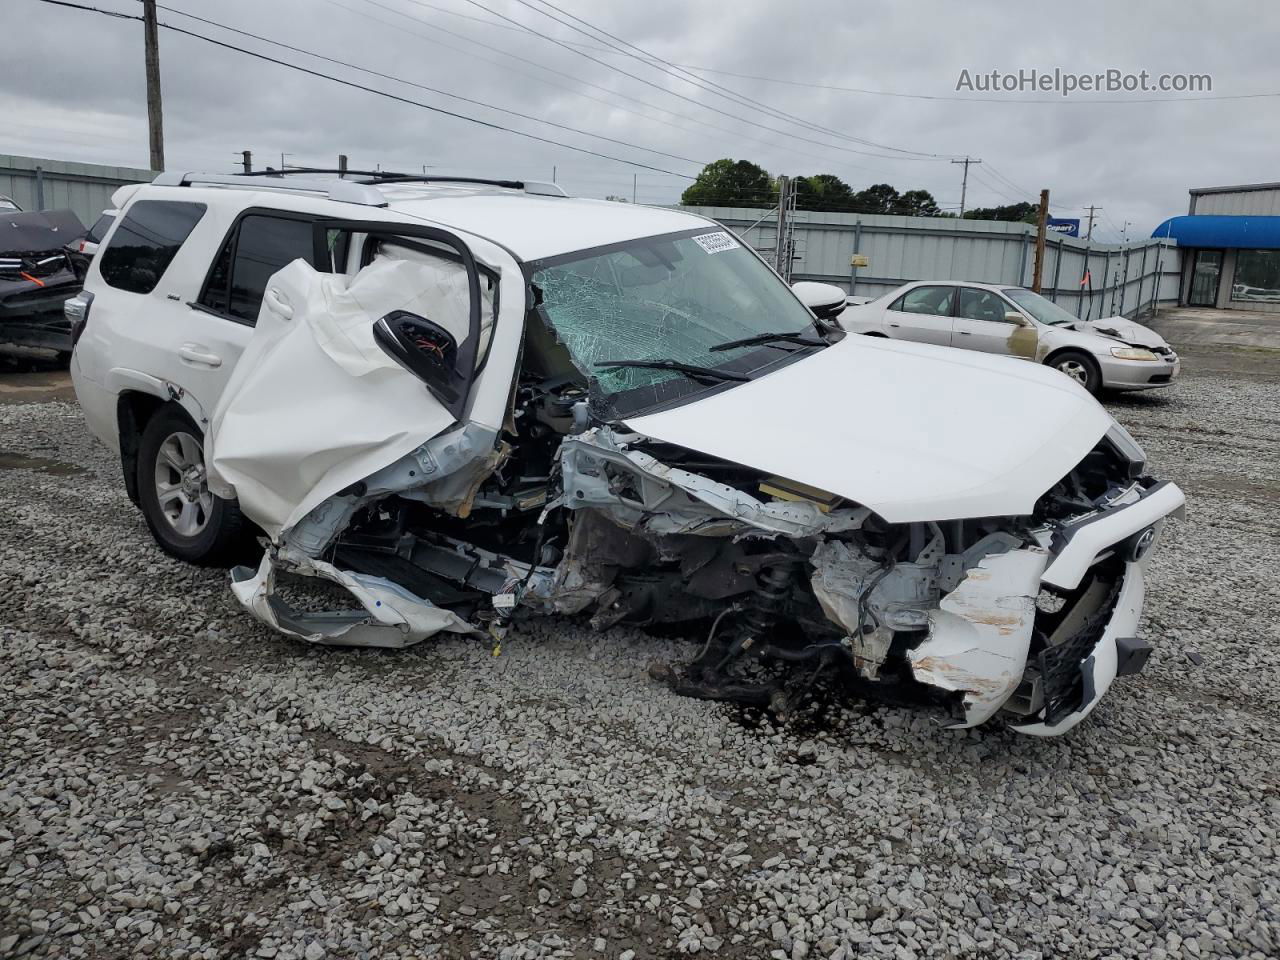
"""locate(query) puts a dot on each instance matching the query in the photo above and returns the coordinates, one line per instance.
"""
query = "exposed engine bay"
(782, 587)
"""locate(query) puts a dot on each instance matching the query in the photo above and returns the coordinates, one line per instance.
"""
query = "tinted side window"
(146, 242)
(100, 228)
(261, 246)
(935, 301)
(982, 305)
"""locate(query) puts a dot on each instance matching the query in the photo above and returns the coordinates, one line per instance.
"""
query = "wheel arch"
(134, 409)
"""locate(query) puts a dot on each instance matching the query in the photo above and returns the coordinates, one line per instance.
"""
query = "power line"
(665, 66)
(512, 56)
(367, 89)
(683, 116)
(650, 83)
(421, 86)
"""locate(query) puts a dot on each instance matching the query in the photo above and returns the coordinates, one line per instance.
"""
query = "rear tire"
(185, 518)
(1080, 367)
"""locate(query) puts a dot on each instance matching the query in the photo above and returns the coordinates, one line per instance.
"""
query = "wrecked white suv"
(464, 404)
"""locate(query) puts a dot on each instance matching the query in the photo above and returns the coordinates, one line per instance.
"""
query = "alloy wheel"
(181, 486)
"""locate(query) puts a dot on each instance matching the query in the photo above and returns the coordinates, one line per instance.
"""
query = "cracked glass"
(663, 298)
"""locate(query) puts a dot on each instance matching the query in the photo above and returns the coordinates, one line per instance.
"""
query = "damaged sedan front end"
(657, 433)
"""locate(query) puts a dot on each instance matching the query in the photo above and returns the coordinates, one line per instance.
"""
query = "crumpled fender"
(981, 631)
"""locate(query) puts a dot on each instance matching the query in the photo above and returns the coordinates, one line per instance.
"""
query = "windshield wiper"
(777, 337)
(691, 370)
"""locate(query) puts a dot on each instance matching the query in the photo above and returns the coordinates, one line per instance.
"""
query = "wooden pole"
(1041, 224)
(155, 121)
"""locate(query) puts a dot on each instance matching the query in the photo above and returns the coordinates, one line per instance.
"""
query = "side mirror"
(425, 349)
(826, 300)
(1013, 316)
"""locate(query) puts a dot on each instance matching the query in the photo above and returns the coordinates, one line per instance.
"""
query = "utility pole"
(246, 160)
(634, 178)
(1089, 233)
(1041, 223)
(342, 165)
(964, 181)
(155, 120)
(553, 173)
(780, 248)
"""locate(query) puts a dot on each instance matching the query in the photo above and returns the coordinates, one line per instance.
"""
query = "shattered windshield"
(672, 297)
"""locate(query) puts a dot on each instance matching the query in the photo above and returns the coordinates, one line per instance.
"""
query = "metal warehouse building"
(1230, 241)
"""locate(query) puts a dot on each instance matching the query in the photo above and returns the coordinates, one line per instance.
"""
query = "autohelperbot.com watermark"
(1066, 83)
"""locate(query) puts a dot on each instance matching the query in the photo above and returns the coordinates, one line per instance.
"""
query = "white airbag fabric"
(314, 404)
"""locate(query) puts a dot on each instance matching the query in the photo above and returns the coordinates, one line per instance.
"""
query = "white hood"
(913, 431)
(1123, 329)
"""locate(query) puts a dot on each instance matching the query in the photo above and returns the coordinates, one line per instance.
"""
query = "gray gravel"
(176, 781)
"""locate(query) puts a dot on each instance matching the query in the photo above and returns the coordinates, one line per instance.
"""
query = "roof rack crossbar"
(348, 183)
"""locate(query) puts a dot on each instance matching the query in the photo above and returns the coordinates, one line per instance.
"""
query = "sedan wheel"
(1080, 368)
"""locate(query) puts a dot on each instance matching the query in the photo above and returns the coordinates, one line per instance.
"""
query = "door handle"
(196, 354)
(892, 324)
(964, 333)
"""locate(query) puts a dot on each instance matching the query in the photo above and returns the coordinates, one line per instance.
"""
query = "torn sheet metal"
(980, 633)
(444, 472)
(391, 615)
(642, 493)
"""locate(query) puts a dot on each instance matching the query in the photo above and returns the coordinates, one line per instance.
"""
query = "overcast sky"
(72, 88)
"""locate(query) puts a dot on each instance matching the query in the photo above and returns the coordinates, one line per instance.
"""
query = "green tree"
(823, 191)
(1010, 213)
(915, 203)
(877, 198)
(731, 183)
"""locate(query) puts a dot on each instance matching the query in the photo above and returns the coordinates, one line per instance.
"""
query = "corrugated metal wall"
(1251, 202)
(86, 188)
(1089, 279)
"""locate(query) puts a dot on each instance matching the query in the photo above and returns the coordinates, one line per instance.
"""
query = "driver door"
(981, 324)
(923, 314)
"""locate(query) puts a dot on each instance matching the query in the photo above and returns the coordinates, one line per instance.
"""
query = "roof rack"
(349, 186)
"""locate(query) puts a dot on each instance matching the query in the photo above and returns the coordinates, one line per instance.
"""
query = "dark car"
(37, 276)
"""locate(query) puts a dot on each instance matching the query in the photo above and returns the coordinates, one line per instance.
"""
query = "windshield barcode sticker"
(716, 242)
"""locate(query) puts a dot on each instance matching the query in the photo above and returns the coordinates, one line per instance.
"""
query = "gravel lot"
(176, 781)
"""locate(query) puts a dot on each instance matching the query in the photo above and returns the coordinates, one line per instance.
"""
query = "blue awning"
(1248, 233)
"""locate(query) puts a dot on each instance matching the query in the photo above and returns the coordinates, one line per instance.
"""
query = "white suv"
(465, 403)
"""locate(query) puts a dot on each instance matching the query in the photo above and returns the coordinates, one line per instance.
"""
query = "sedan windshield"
(1046, 311)
(675, 298)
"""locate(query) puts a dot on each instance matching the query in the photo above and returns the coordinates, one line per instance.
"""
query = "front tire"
(1080, 367)
(184, 516)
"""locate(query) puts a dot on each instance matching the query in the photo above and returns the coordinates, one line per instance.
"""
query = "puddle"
(20, 461)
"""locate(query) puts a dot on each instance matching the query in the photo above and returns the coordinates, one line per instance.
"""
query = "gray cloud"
(72, 88)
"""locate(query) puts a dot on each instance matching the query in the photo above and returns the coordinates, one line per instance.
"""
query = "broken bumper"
(383, 614)
(1102, 665)
(981, 635)
(1138, 374)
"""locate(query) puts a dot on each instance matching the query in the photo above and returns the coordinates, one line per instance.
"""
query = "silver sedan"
(1112, 353)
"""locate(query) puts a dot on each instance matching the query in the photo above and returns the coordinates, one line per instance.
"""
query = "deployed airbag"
(314, 404)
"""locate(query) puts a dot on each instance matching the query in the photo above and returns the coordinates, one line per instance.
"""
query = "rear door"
(923, 314)
(342, 380)
(220, 320)
(980, 324)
